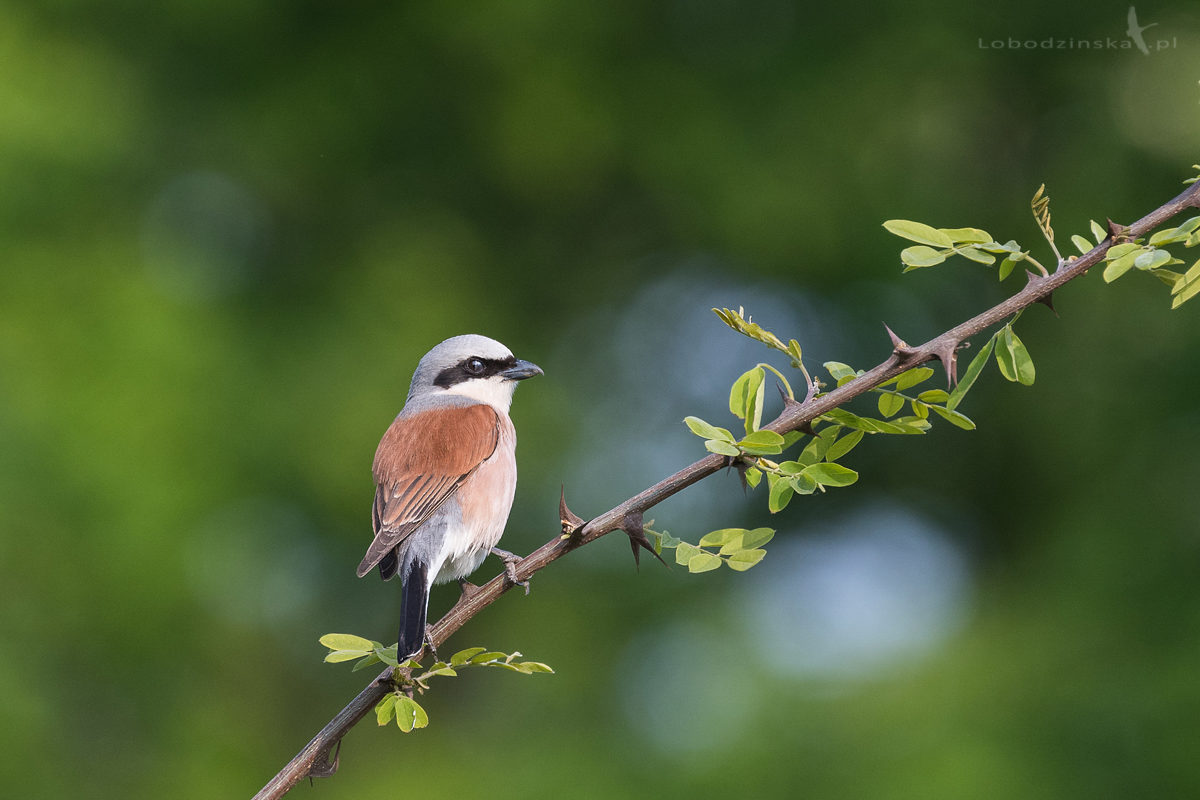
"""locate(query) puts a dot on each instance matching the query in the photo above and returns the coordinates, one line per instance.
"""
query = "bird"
(1134, 31)
(445, 475)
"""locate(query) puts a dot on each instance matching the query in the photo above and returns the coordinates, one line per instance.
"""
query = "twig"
(795, 416)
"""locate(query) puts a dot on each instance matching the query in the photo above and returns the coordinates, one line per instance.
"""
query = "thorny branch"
(313, 760)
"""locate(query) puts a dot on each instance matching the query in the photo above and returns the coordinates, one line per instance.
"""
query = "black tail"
(413, 606)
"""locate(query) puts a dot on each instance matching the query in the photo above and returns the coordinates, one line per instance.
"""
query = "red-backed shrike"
(445, 474)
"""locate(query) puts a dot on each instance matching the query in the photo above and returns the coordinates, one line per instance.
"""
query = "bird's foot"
(429, 643)
(510, 569)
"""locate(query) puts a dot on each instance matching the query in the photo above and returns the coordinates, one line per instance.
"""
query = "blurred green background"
(231, 228)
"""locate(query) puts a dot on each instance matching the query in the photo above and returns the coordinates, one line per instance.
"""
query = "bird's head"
(471, 366)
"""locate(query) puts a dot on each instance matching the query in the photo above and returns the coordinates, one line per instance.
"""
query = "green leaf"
(370, 660)
(918, 232)
(1098, 233)
(838, 370)
(1011, 247)
(488, 658)
(1118, 251)
(685, 552)
(955, 418)
(721, 537)
(1120, 260)
(722, 448)
(844, 445)
(972, 374)
(440, 668)
(911, 377)
(745, 559)
(762, 443)
(1004, 357)
(706, 431)
(781, 494)
(753, 475)
(386, 654)
(813, 452)
(829, 474)
(746, 398)
(920, 256)
(1167, 276)
(463, 657)
(1177, 234)
(534, 667)
(795, 353)
(1021, 360)
(1186, 287)
(757, 538)
(409, 714)
(846, 419)
(975, 254)
(1006, 267)
(385, 709)
(802, 484)
(934, 396)
(337, 656)
(1192, 275)
(703, 562)
(890, 404)
(346, 641)
(967, 235)
(914, 425)
(920, 410)
(1081, 244)
(731, 540)
(1152, 259)
(843, 417)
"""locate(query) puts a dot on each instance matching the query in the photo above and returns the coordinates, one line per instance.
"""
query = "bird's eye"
(474, 366)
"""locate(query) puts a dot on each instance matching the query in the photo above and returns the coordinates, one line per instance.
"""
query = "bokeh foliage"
(230, 229)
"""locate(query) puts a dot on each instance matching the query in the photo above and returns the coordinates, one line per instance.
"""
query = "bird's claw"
(510, 567)
(429, 642)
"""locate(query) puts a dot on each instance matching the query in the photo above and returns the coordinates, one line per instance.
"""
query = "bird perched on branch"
(445, 474)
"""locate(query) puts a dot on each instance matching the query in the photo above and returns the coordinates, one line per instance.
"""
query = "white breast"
(485, 500)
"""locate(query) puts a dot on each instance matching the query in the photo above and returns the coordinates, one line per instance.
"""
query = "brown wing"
(421, 461)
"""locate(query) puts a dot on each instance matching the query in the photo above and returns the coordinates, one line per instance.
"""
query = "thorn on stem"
(1117, 231)
(900, 348)
(322, 766)
(635, 529)
(1047, 299)
(570, 521)
(947, 353)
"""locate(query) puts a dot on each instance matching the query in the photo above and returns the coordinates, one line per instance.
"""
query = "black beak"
(521, 370)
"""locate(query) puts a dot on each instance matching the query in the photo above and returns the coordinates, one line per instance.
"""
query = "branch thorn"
(635, 530)
(1047, 299)
(570, 521)
(947, 353)
(322, 766)
(900, 348)
(1117, 231)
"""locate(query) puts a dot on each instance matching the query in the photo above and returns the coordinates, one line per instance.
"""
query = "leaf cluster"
(935, 245)
(737, 548)
(411, 677)
(1153, 257)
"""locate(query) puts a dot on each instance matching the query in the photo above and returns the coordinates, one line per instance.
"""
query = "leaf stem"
(787, 386)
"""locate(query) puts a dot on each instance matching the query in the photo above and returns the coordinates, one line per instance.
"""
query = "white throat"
(496, 391)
